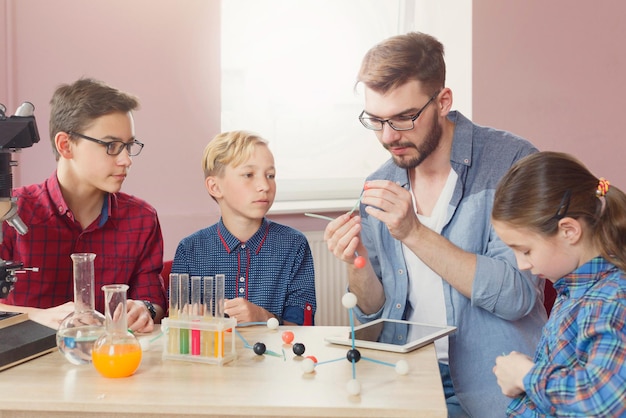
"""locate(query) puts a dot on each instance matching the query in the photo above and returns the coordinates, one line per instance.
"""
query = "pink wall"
(546, 70)
(165, 52)
(553, 72)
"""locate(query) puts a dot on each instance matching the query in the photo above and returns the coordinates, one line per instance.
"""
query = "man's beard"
(424, 150)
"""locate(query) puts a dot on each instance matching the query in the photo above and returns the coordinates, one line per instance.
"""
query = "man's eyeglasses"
(397, 123)
(114, 147)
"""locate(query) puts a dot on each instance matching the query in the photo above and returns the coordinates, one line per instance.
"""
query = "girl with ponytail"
(568, 226)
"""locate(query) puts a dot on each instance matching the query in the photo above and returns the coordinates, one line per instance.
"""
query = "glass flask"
(117, 353)
(80, 329)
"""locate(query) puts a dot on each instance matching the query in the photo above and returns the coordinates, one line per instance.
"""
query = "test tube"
(184, 313)
(173, 335)
(219, 295)
(207, 336)
(196, 313)
(208, 297)
(219, 314)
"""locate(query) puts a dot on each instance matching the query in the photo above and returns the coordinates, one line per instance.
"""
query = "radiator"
(331, 281)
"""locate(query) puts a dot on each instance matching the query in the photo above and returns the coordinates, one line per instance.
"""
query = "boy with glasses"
(80, 208)
(424, 226)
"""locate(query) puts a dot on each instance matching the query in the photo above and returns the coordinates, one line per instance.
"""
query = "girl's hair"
(403, 58)
(228, 148)
(545, 187)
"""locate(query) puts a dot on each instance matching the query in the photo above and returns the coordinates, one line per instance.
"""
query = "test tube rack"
(197, 328)
(202, 341)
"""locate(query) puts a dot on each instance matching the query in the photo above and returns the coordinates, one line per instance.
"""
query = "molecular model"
(259, 348)
(309, 363)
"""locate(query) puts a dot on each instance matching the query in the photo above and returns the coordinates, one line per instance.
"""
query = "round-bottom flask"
(117, 353)
(80, 329)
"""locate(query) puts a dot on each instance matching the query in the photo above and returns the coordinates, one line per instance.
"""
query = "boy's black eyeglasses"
(397, 123)
(114, 147)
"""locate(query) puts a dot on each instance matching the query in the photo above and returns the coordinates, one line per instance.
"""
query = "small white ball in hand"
(272, 323)
(308, 365)
(348, 300)
(354, 387)
(402, 367)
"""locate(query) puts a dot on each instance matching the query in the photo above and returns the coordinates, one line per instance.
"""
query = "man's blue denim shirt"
(505, 312)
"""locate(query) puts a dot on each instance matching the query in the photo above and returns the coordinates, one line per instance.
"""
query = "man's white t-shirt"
(425, 286)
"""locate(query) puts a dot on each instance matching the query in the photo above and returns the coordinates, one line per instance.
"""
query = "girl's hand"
(510, 371)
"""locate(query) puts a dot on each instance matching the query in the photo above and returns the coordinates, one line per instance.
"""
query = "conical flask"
(117, 353)
(80, 329)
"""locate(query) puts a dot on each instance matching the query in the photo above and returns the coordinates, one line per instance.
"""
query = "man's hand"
(391, 204)
(343, 239)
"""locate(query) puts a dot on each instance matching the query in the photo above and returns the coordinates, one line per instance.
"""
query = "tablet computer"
(367, 335)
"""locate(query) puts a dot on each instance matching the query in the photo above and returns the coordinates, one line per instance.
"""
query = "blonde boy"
(268, 266)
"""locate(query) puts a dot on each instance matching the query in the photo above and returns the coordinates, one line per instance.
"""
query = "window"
(288, 74)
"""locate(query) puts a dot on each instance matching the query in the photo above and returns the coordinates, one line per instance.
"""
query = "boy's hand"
(138, 317)
(245, 311)
(51, 317)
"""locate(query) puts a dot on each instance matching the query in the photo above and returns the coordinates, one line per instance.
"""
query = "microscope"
(16, 132)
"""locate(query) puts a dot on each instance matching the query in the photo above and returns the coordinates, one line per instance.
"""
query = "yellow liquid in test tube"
(207, 348)
(219, 314)
(219, 344)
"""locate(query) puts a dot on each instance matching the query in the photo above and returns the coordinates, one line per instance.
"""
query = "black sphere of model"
(298, 349)
(259, 348)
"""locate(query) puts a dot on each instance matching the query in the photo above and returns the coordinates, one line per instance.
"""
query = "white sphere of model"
(308, 365)
(354, 387)
(402, 367)
(348, 300)
(272, 323)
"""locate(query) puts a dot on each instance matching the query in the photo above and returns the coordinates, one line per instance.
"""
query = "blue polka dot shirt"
(273, 269)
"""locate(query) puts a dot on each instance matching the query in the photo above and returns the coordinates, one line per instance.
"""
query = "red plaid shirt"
(126, 239)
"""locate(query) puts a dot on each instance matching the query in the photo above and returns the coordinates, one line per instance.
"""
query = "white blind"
(288, 73)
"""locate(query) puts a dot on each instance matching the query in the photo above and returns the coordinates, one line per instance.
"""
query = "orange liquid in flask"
(117, 360)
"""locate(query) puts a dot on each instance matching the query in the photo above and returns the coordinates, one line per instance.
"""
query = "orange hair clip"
(603, 187)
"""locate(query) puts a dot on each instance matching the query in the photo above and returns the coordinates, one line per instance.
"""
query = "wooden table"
(251, 385)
